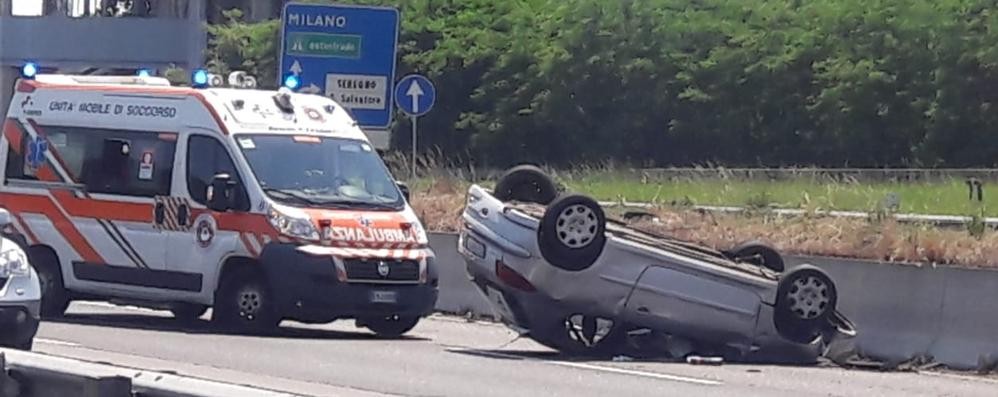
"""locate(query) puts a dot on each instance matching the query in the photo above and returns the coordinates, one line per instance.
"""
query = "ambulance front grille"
(366, 270)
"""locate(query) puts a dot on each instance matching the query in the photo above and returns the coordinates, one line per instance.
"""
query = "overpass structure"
(73, 36)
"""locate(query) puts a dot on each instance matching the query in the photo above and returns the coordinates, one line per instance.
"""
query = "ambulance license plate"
(384, 297)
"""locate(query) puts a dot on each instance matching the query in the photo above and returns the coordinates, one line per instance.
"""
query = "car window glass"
(140, 165)
(207, 157)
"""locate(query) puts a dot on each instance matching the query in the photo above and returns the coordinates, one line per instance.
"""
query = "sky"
(34, 7)
(26, 7)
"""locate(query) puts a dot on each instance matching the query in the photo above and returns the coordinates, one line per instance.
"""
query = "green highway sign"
(323, 45)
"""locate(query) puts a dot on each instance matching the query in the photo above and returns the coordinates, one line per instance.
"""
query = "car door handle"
(643, 309)
(160, 213)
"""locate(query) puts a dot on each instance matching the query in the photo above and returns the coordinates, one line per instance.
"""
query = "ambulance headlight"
(13, 263)
(293, 226)
(29, 70)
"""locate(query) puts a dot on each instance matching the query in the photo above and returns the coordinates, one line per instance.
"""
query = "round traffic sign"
(415, 95)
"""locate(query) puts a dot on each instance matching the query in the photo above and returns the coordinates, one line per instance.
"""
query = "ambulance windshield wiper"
(363, 204)
(293, 194)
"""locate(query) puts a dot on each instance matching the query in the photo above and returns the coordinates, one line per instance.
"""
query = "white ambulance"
(263, 205)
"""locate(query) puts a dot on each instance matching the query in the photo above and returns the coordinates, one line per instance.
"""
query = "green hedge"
(676, 82)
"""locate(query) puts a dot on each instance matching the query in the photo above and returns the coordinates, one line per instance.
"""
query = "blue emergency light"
(292, 81)
(200, 78)
(29, 70)
(143, 73)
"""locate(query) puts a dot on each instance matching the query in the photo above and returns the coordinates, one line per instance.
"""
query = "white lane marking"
(655, 375)
(959, 377)
(55, 342)
(621, 371)
(108, 305)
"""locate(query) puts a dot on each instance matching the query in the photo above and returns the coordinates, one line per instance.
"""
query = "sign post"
(347, 53)
(415, 95)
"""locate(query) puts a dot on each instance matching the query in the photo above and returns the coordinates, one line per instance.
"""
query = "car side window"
(207, 157)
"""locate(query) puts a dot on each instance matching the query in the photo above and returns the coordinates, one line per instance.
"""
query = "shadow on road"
(200, 326)
(628, 356)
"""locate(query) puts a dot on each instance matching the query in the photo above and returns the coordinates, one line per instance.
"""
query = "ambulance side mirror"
(5, 218)
(404, 189)
(220, 193)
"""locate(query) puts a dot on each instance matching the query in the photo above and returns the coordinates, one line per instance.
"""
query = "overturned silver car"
(556, 269)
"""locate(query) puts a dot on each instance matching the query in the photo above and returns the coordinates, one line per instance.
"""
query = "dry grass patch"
(439, 204)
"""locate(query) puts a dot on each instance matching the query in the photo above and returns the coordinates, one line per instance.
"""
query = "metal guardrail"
(938, 220)
(27, 374)
(841, 174)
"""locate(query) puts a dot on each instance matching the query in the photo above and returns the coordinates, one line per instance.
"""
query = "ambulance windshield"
(320, 171)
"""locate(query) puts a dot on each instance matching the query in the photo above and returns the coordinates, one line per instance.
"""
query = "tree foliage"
(679, 82)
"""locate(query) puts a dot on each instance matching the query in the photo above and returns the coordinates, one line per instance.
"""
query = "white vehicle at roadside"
(558, 270)
(20, 293)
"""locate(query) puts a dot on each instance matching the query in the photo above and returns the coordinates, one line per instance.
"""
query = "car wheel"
(526, 183)
(581, 335)
(572, 232)
(188, 312)
(806, 298)
(757, 253)
(244, 302)
(390, 326)
(55, 298)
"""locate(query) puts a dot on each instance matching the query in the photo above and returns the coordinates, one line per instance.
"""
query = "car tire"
(526, 183)
(555, 335)
(759, 254)
(188, 312)
(55, 298)
(806, 299)
(572, 232)
(244, 302)
(390, 326)
(25, 345)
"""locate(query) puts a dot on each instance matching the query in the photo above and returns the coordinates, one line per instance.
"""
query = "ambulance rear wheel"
(55, 298)
(244, 302)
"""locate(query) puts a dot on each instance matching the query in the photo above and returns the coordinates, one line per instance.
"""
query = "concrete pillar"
(259, 10)
(196, 12)
(8, 75)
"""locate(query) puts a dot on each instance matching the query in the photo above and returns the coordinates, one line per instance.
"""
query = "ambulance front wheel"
(55, 298)
(244, 302)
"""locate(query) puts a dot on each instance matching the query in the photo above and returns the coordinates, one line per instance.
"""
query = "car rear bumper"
(312, 288)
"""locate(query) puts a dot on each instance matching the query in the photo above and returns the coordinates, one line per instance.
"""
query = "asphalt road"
(443, 356)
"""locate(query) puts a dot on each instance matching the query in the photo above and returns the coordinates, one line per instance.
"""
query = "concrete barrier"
(901, 311)
(457, 294)
(32, 374)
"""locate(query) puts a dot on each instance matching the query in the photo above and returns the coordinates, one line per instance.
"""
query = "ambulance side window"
(206, 157)
(15, 157)
(15, 163)
(145, 169)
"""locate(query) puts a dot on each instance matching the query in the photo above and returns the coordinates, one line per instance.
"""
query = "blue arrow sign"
(344, 52)
(415, 95)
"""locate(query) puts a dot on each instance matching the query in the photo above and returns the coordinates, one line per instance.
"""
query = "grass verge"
(439, 201)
